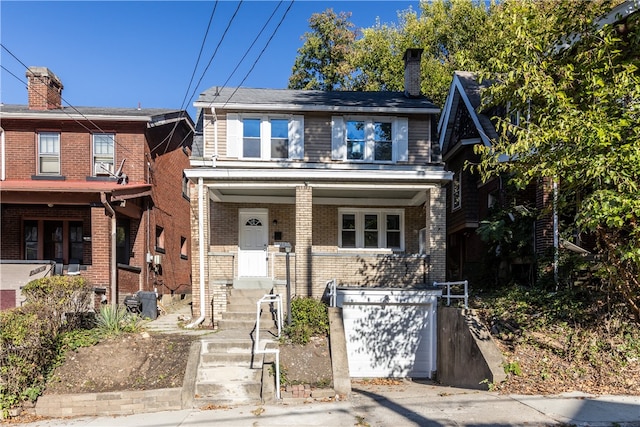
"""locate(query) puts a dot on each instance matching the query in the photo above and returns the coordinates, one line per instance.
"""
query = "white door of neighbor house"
(389, 332)
(253, 240)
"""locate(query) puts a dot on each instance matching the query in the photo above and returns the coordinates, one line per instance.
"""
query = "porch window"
(369, 139)
(53, 240)
(75, 241)
(371, 229)
(103, 154)
(49, 153)
(265, 137)
(123, 240)
(31, 240)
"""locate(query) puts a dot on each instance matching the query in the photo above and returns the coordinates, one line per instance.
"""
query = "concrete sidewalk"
(406, 404)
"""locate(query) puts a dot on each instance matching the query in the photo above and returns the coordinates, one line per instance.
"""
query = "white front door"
(253, 240)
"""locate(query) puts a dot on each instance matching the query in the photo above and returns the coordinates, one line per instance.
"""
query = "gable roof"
(288, 100)
(465, 92)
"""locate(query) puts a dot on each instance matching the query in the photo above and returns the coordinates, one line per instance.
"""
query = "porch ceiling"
(362, 196)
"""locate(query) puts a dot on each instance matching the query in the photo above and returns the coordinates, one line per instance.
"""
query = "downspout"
(114, 289)
(201, 253)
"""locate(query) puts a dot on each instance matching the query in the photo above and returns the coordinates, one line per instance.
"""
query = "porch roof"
(330, 186)
(29, 191)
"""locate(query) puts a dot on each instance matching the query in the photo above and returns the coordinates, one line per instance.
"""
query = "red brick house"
(352, 181)
(100, 190)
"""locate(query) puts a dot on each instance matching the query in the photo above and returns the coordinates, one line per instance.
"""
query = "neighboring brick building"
(353, 181)
(99, 187)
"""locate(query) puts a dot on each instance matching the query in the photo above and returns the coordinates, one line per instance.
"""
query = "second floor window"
(103, 153)
(262, 137)
(49, 153)
(369, 140)
(159, 239)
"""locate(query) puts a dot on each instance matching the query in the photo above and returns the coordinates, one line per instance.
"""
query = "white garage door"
(389, 332)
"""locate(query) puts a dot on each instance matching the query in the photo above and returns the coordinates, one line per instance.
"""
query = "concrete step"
(265, 315)
(227, 346)
(251, 283)
(228, 385)
(225, 359)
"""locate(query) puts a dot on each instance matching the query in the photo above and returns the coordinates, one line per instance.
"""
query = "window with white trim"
(371, 229)
(103, 153)
(456, 191)
(265, 137)
(369, 139)
(49, 153)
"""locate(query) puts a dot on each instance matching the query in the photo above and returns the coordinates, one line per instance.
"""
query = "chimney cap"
(43, 72)
(410, 53)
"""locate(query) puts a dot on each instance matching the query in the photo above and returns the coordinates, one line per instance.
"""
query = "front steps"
(228, 371)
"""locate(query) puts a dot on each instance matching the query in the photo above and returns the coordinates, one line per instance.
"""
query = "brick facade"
(54, 204)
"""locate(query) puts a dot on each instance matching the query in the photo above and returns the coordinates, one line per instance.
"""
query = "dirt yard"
(143, 361)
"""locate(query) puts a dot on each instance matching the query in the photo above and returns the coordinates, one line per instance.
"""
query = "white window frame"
(51, 153)
(399, 138)
(382, 228)
(103, 164)
(456, 191)
(235, 136)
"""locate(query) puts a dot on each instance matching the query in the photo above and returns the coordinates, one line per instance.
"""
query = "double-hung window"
(49, 153)
(369, 139)
(265, 137)
(103, 153)
(371, 229)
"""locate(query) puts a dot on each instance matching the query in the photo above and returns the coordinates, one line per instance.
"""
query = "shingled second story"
(252, 127)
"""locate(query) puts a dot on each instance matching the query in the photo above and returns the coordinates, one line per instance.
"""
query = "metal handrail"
(331, 293)
(270, 298)
(448, 295)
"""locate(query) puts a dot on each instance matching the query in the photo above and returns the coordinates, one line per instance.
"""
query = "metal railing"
(330, 292)
(449, 295)
(277, 299)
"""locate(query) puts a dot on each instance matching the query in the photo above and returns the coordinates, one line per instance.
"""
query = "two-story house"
(462, 125)
(99, 191)
(351, 182)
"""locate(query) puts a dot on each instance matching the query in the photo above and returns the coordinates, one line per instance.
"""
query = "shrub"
(309, 318)
(27, 349)
(64, 300)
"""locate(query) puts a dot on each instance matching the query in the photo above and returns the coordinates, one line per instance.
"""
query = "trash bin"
(149, 303)
(132, 303)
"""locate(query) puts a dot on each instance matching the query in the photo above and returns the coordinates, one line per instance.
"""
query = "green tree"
(451, 32)
(322, 62)
(581, 105)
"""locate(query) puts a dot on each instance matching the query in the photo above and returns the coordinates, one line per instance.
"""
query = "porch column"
(304, 229)
(198, 204)
(436, 239)
(100, 250)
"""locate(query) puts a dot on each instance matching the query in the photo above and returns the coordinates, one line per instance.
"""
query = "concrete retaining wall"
(467, 356)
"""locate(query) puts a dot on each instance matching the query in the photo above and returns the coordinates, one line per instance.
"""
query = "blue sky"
(125, 53)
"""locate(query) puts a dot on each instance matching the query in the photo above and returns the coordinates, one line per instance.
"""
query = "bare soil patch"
(138, 361)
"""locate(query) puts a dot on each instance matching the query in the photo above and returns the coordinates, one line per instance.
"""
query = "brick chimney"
(44, 88)
(412, 72)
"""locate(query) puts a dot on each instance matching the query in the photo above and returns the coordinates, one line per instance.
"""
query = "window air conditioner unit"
(103, 169)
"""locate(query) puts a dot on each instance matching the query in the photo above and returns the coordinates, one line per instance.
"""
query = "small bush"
(26, 351)
(113, 320)
(64, 300)
(309, 318)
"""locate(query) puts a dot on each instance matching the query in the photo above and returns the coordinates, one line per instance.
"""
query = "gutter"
(201, 253)
(113, 270)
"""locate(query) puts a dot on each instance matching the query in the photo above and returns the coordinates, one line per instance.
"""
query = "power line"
(261, 52)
